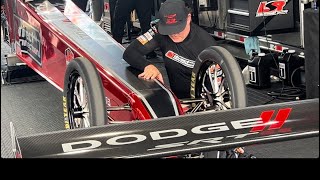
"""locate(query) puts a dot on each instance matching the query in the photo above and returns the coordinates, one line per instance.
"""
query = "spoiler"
(169, 136)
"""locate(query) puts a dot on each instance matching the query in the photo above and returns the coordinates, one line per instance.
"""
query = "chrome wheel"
(217, 82)
(215, 89)
(84, 100)
(79, 105)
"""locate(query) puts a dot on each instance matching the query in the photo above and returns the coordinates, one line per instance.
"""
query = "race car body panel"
(47, 35)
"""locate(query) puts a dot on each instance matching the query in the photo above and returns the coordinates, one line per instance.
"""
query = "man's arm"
(136, 51)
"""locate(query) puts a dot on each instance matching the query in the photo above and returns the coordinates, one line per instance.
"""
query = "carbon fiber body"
(178, 135)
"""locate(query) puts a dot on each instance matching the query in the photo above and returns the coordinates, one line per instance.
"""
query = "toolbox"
(256, 17)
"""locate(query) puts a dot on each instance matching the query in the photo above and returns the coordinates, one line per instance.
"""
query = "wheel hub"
(79, 106)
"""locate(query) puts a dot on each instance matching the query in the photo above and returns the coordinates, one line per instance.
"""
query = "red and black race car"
(100, 90)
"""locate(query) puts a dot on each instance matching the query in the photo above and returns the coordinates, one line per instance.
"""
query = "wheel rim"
(78, 105)
(214, 88)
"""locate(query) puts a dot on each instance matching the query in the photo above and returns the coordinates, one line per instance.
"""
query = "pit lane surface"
(36, 108)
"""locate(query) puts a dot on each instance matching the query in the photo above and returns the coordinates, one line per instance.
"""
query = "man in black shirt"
(180, 41)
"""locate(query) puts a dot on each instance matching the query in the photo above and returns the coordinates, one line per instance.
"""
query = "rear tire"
(233, 81)
(230, 68)
(84, 100)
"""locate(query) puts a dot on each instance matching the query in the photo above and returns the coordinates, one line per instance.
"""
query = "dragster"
(110, 113)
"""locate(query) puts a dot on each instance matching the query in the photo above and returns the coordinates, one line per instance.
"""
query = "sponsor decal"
(65, 113)
(170, 54)
(171, 19)
(179, 59)
(29, 41)
(277, 123)
(146, 37)
(68, 55)
(255, 124)
(143, 40)
(271, 8)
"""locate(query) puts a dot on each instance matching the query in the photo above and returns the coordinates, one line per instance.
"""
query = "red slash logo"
(278, 122)
(271, 8)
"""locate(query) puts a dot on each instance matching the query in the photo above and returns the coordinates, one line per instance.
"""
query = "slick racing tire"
(230, 77)
(230, 72)
(83, 96)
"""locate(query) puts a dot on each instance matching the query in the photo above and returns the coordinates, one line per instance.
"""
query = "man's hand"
(151, 72)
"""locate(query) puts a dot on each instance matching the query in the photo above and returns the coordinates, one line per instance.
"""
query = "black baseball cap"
(173, 16)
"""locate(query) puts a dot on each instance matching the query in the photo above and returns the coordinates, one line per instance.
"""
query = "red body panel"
(52, 61)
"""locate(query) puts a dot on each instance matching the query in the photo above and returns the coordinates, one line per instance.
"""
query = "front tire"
(83, 96)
